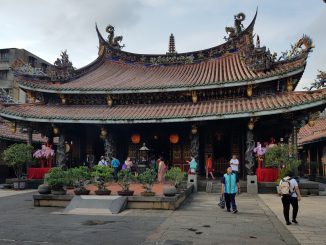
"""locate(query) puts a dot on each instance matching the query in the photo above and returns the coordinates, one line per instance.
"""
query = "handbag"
(221, 202)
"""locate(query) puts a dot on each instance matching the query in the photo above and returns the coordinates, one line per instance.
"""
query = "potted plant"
(81, 178)
(175, 176)
(57, 178)
(18, 156)
(125, 177)
(147, 178)
(102, 175)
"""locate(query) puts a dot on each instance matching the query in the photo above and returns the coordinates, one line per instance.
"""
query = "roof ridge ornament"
(19, 67)
(114, 41)
(171, 45)
(238, 26)
(63, 69)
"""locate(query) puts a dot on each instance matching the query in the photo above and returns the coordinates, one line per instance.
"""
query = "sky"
(47, 27)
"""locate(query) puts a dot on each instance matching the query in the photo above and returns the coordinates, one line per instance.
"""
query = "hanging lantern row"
(289, 85)
(249, 90)
(135, 138)
(56, 129)
(251, 124)
(194, 129)
(174, 138)
(312, 118)
(104, 133)
(13, 127)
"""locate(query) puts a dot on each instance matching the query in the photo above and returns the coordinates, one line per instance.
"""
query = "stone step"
(322, 193)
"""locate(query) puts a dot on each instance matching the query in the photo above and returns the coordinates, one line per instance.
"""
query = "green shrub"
(57, 178)
(125, 177)
(102, 175)
(18, 156)
(147, 177)
(175, 175)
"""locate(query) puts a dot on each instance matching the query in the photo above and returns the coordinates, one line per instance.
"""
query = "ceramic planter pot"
(44, 189)
(126, 193)
(147, 193)
(103, 192)
(58, 191)
(81, 192)
(169, 191)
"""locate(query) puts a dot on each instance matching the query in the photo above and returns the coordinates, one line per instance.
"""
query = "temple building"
(220, 101)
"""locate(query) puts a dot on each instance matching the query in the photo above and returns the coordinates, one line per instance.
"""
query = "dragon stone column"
(249, 159)
(109, 147)
(61, 155)
(194, 146)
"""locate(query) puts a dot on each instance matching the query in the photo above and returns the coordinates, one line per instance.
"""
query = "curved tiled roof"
(115, 77)
(7, 134)
(172, 112)
(309, 134)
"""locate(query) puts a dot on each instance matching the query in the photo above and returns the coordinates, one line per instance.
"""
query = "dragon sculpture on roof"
(238, 26)
(112, 40)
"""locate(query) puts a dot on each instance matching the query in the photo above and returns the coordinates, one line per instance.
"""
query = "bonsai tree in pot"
(18, 156)
(57, 178)
(81, 178)
(101, 176)
(125, 177)
(147, 178)
(175, 176)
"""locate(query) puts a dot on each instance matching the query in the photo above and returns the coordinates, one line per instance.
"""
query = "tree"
(17, 156)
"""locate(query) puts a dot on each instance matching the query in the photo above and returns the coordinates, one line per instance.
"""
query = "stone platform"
(133, 202)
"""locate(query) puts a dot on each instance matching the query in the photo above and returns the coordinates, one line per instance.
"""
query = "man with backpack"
(290, 192)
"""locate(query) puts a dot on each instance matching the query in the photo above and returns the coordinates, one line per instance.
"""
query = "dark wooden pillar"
(29, 135)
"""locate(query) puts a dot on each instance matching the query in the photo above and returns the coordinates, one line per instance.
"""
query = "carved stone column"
(109, 147)
(194, 146)
(60, 154)
(249, 158)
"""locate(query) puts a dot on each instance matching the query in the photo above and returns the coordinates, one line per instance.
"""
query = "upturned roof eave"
(158, 90)
(258, 113)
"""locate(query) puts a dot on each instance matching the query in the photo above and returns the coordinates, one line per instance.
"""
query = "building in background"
(312, 147)
(8, 83)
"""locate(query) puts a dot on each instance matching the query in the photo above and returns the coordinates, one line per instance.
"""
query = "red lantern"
(135, 138)
(174, 138)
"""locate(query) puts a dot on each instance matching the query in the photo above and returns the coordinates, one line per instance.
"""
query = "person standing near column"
(209, 166)
(230, 186)
(234, 163)
(115, 164)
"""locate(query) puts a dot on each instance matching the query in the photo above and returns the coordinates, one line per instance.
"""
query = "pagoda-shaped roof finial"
(171, 45)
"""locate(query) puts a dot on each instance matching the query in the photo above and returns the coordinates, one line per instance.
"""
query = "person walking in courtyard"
(161, 170)
(230, 186)
(234, 163)
(209, 166)
(115, 164)
(289, 189)
(103, 162)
